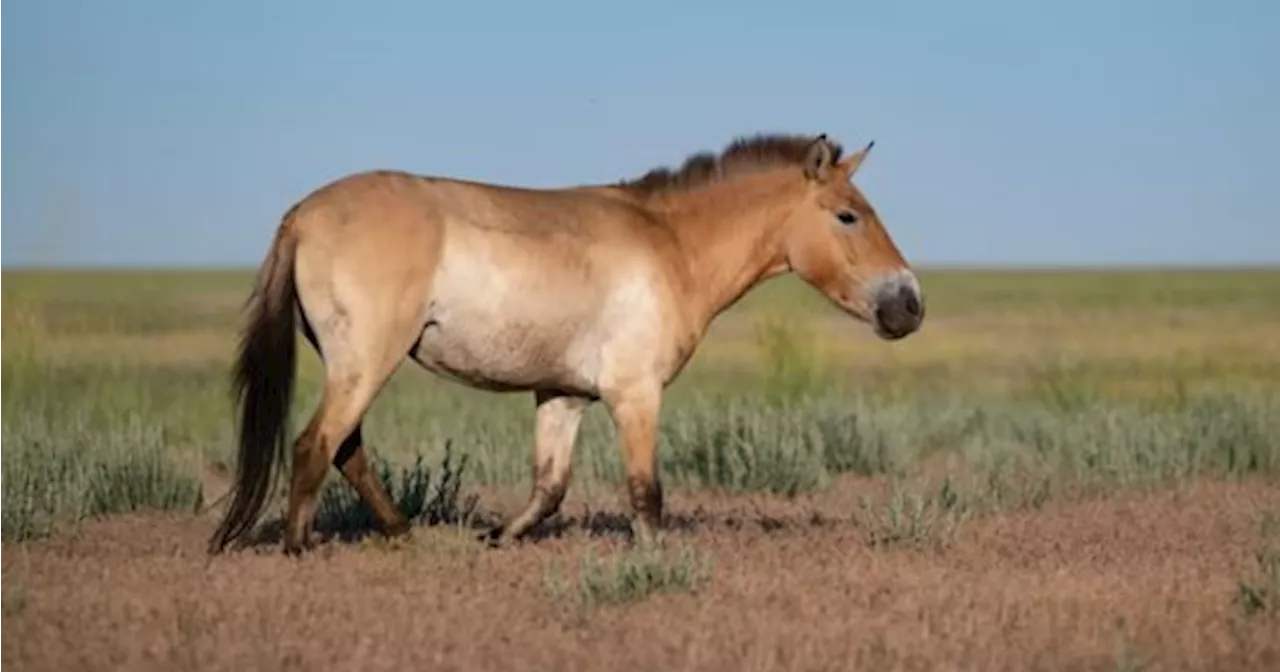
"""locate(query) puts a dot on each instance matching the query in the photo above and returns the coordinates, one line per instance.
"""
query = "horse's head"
(837, 243)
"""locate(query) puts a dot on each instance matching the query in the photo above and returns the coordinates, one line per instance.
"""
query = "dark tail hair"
(263, 387)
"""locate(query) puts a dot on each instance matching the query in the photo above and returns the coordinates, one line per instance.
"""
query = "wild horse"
(581, 294)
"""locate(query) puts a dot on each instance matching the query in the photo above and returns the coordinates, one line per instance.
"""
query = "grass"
(65, 472)
(15, 599)
(340, 510)
(1025, 386)
(1259, 591)
(628, 576)
(907, 518)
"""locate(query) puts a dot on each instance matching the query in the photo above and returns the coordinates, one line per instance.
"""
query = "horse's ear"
(817, 162)
(851, 164)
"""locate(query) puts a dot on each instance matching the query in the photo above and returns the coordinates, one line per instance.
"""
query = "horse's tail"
(263, 386)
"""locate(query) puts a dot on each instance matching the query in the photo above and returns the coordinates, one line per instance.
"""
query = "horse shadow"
(484, 526)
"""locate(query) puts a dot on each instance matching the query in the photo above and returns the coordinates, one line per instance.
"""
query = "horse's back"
(506, 287)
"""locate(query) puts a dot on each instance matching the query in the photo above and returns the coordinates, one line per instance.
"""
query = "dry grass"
(1129, 582)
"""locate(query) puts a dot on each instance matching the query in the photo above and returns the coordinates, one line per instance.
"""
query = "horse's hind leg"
(349, 456)
(347, 394)
(354, 465)
(358, 360)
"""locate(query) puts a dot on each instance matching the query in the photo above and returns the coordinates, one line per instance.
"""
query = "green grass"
(628, 576)
(15, 599)
(1025, 386)
(1259, 591)
(64, 471)
(908, 518)
(421, 498)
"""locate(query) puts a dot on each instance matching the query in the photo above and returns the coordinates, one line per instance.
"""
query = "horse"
(580, 294)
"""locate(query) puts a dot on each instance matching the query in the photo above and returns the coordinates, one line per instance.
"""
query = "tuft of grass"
(55, 474)
(38, 494)
(1128, 657)
(421, 498)
(15, 598)
(906, 518)
(629, 576)
(1259, 593)
(147, 481)
(736, 447)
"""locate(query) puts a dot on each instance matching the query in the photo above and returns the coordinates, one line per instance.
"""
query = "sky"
(173, 134)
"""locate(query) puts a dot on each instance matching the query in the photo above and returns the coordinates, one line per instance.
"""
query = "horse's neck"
(732, 237)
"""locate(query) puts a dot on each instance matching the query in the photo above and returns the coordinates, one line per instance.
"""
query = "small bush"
(38, 493)
(15, 599)
(906, 518)
(630, 576)
(340, 509)
(147, 481)
(741, 447)
(1259, 593)
(88, 475)
(852, 441)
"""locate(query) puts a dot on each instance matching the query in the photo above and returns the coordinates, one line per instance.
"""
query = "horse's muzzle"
(899, 307)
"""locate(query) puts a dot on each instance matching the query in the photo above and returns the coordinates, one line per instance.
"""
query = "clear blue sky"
(176, 133)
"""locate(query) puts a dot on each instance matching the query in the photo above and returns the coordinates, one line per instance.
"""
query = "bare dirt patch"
(1129, 582)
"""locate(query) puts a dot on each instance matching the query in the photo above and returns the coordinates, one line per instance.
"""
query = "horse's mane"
(742, 155)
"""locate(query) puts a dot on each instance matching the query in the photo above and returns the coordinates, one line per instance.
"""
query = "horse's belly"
(506, 347)
(497, 320)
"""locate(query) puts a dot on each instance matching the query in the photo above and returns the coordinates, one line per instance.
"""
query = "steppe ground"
(1065, 470)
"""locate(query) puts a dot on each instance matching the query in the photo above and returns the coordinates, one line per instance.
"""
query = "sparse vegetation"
(341, 511)
(14, 599)
(116, 396)
(1259, 592)
(837, 480)
(907, 518)
(63, 473)
(629, 576)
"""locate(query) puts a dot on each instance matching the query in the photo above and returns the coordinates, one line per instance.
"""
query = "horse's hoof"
(296, 549)
(496, 538)
(398, 530)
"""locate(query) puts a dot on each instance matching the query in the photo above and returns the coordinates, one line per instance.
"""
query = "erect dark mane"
(742, 155)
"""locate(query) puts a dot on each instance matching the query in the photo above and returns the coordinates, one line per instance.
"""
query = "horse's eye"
(847, 217)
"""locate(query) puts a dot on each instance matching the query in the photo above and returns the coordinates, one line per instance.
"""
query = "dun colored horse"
(581, 294)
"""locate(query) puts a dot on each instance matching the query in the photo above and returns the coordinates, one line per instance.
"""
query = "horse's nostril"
(912, 304)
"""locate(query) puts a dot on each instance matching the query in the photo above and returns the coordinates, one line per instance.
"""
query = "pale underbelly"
(506, 328)
(490, 352)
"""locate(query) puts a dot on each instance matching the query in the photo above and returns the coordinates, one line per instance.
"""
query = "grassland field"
(1036, 397)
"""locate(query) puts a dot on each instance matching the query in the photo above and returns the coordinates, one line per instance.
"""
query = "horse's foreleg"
(558, 419)
(635, 415)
